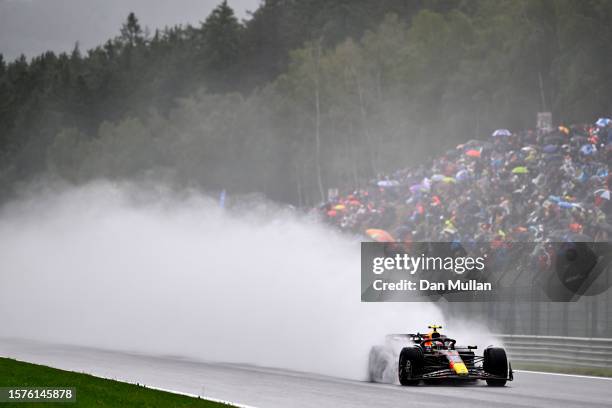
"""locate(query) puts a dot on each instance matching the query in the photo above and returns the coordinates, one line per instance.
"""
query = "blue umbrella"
(501, 132)
(550, 148)
(603, 122)
(567, 204)
(588, 150)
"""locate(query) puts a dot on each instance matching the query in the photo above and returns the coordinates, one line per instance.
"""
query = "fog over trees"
(303, 95)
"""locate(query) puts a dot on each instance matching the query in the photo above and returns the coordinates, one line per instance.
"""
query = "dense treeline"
(303, 96)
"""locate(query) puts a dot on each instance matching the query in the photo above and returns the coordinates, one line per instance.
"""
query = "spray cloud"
(113, 266)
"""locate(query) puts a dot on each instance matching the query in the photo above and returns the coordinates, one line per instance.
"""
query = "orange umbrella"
(379, 235)
(473, 153)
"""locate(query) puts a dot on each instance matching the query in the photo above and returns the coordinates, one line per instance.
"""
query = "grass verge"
(597, 372)
(91, 391)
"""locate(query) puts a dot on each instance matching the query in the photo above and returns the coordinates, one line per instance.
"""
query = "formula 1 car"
(433, 357)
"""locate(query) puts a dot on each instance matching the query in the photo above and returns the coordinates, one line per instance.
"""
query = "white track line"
(198, 396)
(564, 375)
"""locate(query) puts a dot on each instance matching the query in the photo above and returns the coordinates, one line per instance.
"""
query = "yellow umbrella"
(520, 170)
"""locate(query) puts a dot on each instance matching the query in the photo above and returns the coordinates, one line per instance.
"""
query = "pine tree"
(131, 32)
(221, 46)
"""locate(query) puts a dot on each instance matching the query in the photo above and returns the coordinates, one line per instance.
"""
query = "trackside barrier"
(557, 350)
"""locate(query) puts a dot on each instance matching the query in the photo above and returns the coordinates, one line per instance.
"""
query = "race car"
(434, 357)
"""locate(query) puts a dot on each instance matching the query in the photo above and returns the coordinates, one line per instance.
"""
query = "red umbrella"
(473, 153)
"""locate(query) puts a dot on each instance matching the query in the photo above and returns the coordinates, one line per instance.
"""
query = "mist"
(118, 267)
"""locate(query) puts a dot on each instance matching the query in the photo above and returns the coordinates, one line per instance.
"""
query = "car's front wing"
(473, 374)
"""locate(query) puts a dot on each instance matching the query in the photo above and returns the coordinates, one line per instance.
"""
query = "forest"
(302, 96)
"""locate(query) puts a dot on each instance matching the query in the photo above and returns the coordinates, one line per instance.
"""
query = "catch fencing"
(588, 317)
(559, 351)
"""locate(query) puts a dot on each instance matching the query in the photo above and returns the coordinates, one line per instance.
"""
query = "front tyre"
(410, 365)
(495, 363)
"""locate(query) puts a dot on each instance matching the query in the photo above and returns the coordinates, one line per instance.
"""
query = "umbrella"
(448, 180)
(567, 204)
(575, 227)
(473, 153)
(603, 122)
(588, 150)
(415, 188)
(520, 170)
(388, 183)
(603, 194)
(437, 177)
(379, 235)
(551, 148)
(339, 207)
(501, 132)
(462, 175)
(528, 149)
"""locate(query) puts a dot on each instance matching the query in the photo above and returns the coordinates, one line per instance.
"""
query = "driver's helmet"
(427, 343)
(434, 334)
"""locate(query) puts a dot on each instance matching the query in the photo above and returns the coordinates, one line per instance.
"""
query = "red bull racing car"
(433, 357)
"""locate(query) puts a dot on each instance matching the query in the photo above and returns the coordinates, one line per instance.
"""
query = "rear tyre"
(410, 365)
(496, 363)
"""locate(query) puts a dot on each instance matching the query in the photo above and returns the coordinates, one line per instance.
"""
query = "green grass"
(91, 391)
(597, 372)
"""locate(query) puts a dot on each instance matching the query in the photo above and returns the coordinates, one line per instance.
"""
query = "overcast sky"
(33, 26)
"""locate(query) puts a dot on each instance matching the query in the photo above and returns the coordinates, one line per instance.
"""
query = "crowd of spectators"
(531, 186)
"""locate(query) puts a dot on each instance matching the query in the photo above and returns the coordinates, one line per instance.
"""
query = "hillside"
(302, 96)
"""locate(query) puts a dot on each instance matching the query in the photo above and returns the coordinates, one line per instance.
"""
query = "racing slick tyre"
(496, 363)
(411, 363)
